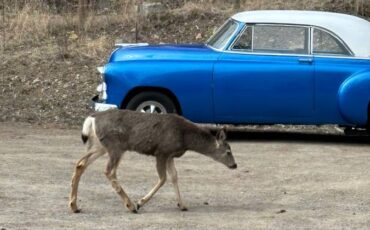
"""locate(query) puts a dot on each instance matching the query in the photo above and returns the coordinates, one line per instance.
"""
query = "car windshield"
(222, 36)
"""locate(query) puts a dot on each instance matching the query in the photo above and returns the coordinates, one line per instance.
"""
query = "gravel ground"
(284, 181)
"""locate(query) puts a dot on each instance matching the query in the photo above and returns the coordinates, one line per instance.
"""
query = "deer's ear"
(221, 135)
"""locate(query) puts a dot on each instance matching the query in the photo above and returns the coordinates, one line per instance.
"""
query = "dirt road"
(284, 181)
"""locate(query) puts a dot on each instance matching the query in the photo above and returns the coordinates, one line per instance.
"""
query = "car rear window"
(326, 44)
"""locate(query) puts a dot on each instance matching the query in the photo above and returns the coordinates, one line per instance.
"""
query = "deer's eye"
(228, 153)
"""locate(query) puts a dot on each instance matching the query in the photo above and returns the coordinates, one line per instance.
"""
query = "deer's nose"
(234, 166)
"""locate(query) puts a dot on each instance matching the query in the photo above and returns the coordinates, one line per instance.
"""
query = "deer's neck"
(200, 141)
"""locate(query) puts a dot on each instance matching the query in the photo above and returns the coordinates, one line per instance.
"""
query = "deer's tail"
(88, 128)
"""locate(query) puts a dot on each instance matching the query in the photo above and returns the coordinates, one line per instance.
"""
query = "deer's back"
(121, 130)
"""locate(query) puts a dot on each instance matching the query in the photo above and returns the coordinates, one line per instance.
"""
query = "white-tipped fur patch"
(217, 144)
(88, 127)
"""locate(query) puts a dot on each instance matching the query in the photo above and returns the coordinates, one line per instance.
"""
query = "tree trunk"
(236, 4)
(358, 4)
(82, 15)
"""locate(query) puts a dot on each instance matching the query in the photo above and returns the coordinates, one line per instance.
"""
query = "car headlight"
(102, 87)
(101, 70)
(102, 90)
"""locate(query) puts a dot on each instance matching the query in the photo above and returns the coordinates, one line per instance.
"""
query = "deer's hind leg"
(161, 170)
(173, 174)
(80, 167)
(111, 173)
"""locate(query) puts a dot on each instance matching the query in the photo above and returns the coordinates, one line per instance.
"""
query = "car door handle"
(305, 60)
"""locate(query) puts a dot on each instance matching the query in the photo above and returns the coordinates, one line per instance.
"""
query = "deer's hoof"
(182, 208)
(77, 210)
(140, 203)
(73, 207)
(135, 211)
(131, 207)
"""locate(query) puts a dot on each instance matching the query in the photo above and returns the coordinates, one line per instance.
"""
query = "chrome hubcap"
(151, 107)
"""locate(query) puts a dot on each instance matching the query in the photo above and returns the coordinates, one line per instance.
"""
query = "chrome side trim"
(297, 55)
(311, 40)
(100, 107)
(213, 48)
(252, 39)
(342, 57)
(131, 44)
(268, 54)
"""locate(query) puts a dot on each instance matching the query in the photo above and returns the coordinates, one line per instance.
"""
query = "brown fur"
(163, 136)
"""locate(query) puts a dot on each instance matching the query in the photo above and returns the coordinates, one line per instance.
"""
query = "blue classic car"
(260, 67)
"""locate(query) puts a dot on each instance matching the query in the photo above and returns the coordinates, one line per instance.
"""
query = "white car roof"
(354, 31)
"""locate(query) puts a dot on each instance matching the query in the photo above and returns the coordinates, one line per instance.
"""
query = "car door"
(266, 76)
(334, 63)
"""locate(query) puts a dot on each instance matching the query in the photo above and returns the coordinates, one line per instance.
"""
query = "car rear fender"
(354, 98)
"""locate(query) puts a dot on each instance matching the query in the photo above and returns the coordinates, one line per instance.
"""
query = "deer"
(163, 136)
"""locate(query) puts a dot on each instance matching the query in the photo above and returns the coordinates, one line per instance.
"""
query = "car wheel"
(152, 102)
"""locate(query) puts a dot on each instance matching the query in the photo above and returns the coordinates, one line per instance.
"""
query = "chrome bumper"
(100, 106)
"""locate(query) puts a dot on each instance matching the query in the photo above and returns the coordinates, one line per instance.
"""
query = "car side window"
(274, 39)
(244, 42)
(280, 39)
(326, 44)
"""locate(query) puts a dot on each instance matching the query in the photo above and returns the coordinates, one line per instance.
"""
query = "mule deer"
(163, 136)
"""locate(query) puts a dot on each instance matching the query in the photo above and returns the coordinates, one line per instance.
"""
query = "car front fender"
(354, 98)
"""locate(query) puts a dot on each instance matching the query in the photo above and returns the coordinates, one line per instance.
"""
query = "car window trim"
(344, 45)
(308, 39)
(268, 54)
(246, 26)
(227, 44)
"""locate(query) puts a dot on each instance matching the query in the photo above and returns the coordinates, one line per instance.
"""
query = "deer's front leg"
(81, 165)
(161, 169)
(173, 174)
(111, 173)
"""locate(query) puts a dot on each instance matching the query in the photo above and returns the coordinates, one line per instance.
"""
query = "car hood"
(194, 52)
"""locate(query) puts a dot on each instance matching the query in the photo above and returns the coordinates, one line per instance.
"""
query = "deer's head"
(222, 151)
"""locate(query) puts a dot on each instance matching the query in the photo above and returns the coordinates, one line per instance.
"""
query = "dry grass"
(34, 20)
(29, 24)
